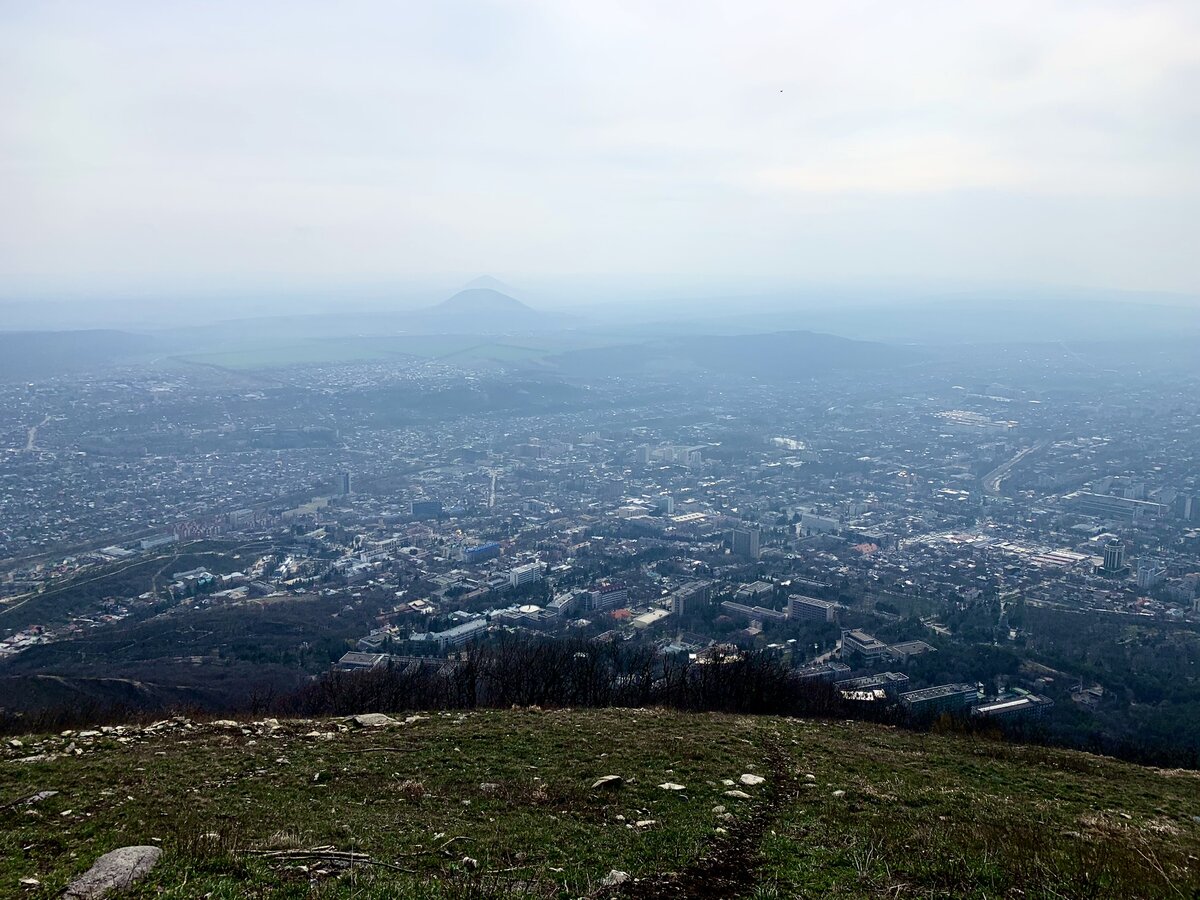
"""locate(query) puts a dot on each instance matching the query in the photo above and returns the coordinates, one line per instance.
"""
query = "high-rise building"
(801, 608)
(1114, 556)
(343, 483)
(473, 555)
(425, 509)
(745, 542)
(609, 596)
(526, 574)
(1150, 574)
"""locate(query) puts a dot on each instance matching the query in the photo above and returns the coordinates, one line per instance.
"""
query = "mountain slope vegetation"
(506, 803)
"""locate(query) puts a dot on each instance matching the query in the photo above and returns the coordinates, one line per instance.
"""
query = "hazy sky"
(228, 146)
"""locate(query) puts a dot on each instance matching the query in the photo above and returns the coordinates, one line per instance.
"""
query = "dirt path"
(728, 868)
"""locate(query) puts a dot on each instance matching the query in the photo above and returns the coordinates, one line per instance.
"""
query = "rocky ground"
(635, 803)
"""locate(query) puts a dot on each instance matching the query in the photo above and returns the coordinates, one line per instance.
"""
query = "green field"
(490, 803)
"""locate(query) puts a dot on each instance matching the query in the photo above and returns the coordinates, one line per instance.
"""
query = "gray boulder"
(114, 871)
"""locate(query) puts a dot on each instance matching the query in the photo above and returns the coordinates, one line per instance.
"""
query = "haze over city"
(387, 152)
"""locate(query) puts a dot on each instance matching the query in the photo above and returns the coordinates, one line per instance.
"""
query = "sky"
(184, 148)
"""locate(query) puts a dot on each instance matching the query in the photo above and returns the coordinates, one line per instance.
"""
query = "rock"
(224, 723)
(615, 877)
(728, 782)
(114, 871)
(810, 777)
(373, 720)
(737, 795)
(40, 796)
(718, 809)
(839, 793)
(608, 782)
(752, 780)
(671, 786)
(469, 862)
(645, 823)
(489, 787)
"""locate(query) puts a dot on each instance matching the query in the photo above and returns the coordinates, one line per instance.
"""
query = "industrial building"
(860, 645)
(1013, 707)
(891, 683)
(941, 698)
(811, 609)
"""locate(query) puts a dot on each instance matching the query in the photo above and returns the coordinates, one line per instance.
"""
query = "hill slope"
(493, 803)
(772, 356)
(41, 354)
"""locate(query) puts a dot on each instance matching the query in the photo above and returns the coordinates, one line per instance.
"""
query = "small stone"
(737, 795)
(839, 793)
(469, 862)
(113, 871)
(613, 878)
(751, 780)
(810, 777)
(608, 782)
(718, 809)
(645, 823)
(671, 786)
(489, 787)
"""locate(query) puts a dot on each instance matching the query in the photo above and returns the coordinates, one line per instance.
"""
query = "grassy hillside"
(502, 803)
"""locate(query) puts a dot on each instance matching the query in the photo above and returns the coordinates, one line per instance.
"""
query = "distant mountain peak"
(482, 300)
(487, 282)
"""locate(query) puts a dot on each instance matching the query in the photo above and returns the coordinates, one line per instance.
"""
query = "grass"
(492, 803)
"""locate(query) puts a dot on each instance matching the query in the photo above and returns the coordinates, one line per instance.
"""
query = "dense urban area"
(1006, 533)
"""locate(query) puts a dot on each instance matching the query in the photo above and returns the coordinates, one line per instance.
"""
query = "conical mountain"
(482, 300)
(490, 283)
